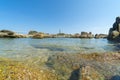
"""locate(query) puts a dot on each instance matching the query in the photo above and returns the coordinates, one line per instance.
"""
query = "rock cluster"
(114, 32)
(41, 35)
(83, 35)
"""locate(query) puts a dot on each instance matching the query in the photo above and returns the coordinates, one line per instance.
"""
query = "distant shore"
(40, 35)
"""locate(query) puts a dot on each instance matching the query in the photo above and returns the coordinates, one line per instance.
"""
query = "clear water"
(20, 48)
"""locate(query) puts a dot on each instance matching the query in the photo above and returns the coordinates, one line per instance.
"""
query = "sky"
(70, 16)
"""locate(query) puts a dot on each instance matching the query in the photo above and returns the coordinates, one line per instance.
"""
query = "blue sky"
(71, 16)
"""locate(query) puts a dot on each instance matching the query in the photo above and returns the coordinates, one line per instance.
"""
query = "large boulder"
(114, 32)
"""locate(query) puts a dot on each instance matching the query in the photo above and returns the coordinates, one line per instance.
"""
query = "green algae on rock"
(14, 70)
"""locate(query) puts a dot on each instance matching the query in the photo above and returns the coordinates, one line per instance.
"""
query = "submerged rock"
(89, 73)
(94, 66)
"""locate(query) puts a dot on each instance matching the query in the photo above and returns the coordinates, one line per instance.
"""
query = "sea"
(20, 48)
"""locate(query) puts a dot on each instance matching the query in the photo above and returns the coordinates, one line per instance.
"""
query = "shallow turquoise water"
(33, 47)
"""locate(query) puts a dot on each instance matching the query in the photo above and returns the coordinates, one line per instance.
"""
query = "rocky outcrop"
(114, 32)
(86, 35)
(11, 34)
(101, 36)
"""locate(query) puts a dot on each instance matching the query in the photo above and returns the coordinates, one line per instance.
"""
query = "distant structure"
(59, 31)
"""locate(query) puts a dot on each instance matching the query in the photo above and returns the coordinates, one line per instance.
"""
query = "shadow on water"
(115, 44)
(49, 48)
(75, 75)
(117, 77)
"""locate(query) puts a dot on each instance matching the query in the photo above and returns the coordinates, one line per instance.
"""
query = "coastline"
(41, 35)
